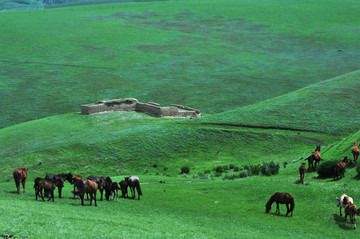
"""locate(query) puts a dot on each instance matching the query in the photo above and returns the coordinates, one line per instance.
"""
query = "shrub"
(225, 168)
(324, 170)
(231, 166)
(358, 169)
(236, 169)
(254, 169)
(229, 177)
(219, 169)
(207, 171)
(243, 174)
(185, 170)
(269, 169)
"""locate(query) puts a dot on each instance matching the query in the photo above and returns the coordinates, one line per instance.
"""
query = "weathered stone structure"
(132, 104)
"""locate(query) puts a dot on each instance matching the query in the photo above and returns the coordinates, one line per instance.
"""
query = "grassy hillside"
(118, 143)
(329, 107)
(238, 52)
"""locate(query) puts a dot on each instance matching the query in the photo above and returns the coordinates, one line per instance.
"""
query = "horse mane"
(355, 143)
(317, 148)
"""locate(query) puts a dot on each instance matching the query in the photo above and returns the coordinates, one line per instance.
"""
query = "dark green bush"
(231, 166)
(236, 169)
(269, 169)
(324, 170)
(243, 174)
(358, 169)
(185, 169)
(219, 169)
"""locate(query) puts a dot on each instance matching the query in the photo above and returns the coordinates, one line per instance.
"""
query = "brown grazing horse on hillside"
(302, 170)
(350, 209)
(86, 186)
(134, 182)
(339, 168)
(101, 184)
(20, 175)
(355, 151)
(281, 198)
(41, 184)
(315, 156)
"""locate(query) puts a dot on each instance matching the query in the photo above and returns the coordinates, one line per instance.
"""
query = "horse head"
(268, 207)
(338, 201)
(345, 160)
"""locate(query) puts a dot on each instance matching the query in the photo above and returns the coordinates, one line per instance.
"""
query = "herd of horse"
(89, 186)
(92, 184)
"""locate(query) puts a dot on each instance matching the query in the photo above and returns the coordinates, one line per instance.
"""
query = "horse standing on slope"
(41, 184)
(302, 170)
(355, 151)
(20, 175)
(281, 198)
(111, 188)
(101, 184)
(339, 168)
(343, 201)
(134, 182)
(59, 180)
(315, 156)
(75, 182)
(350, 209)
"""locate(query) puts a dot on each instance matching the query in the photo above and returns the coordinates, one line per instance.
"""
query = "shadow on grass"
(339, 220)
(279, 215)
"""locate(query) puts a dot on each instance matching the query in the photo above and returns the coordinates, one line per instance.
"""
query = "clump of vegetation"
(264, 168)
(185, 170)
(269, 169)
(325, 170)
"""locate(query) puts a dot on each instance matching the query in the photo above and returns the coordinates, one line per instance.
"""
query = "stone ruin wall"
(131, 104)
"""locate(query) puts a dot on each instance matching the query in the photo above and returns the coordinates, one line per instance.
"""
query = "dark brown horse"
(41, 184)
(101, 184)
(355, 151)
(111, 188)
(20, 175)
(281, 198)
(339, 168)
(86, 186)
(75, 182)
(302, 170)
(134, 182)
(59, 180)
(315, 156)
(123, 186)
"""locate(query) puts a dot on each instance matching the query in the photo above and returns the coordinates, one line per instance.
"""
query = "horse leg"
(340, 211)
(95, 199)
(101, 193)
(42, 196)
(354, 221)
(82, 199)
(288, 210)
(345, 217)
(23, 184)
(59, 190)
(91, 198)
(277, 208)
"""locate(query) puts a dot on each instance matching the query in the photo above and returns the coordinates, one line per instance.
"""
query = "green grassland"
(236, 52)
(274, 79)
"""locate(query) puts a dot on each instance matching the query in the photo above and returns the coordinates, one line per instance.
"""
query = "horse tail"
(292, 204)
(138, 188)
(17, 177)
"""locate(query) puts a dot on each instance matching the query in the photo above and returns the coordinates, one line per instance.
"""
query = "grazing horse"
(111, 188)
(75, 180)
(59, 180)
(315, 156)
(302, 170)
(355, 151)
(343, 201)
(134, 182)
(20, 175)
(350, 209)
(41, 184)
(339, 168)
(86, 186)
(101, 184)
(123, 186)
(283, 198)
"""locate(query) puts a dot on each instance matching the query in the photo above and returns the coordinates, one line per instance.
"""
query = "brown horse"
(281, 198)
(75, 180)
(315, 156)
(339, 168)
(101, 184)
(350, 209)
(86, 186)
(355, 151)
(302, 170)
(134, 182)
(20, 175)
(41, 184)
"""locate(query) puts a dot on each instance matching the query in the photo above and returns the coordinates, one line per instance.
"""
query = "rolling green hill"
(212, 55)
(328, 107)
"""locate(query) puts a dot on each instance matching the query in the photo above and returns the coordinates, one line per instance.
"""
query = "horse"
(111, 188)
(86, 186)
(315, 156)
(75, 180)
(123, 186)
(134, 182)
(59, 180)
(283, 198)
(355, 151)
(339, 168)
(343, 201)
(20, 175)
(350, 209)
(41, 184)
(101, 184)
(302, 170)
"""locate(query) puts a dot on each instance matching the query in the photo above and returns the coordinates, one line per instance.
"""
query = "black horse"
(111, 188)
(59, 180)
(123, 186)
(101, 184)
